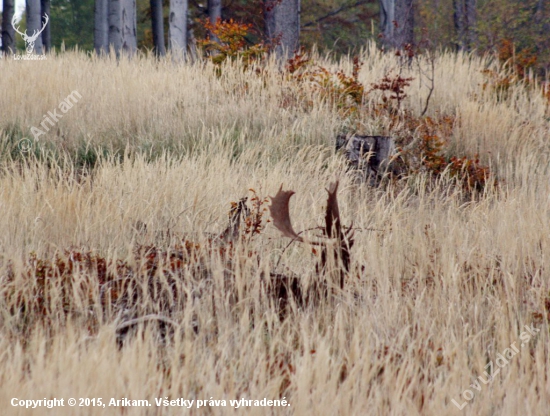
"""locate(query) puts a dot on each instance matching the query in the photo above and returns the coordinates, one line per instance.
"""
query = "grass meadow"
(152, 155)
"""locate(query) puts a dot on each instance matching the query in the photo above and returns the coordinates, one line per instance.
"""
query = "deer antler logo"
(30, 40)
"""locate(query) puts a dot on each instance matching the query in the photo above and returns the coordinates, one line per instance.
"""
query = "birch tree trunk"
(397, 23)
(34, 23)
(282, 18)
(101, 27)
(178, 29)
(214, 14)
(115, 26)
(214, 10)
(157, 24)
(129, 27)
(8, 32)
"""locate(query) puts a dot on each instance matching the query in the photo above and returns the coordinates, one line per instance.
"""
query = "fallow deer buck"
(335, 245)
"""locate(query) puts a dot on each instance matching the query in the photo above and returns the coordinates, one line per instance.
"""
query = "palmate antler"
(333, 229)
(280, 213)
(279, 209)
(30, 40)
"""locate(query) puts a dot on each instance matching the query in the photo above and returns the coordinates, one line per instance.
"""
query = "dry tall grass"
(440, 286)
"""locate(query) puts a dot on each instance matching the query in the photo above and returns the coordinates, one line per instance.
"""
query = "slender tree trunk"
(282, 20)
(101, 27)
(542, 24)
(129, 27)
(191, 41)
(34, 23)
(214, 10)
(404, 12)
(397, 23)
(471, 21)
(8, 33)
(157, 23)
(539, 11)
(465, 22)
(459, 22)
(115, 26)
(46, 34)
(387, 17)
(214, 14)
(178, 29)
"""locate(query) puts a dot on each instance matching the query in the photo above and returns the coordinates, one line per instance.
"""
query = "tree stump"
(372, 155)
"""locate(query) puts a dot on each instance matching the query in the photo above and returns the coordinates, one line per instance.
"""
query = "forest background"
(507, 27)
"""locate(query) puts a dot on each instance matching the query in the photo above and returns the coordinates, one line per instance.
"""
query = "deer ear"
(280, 213)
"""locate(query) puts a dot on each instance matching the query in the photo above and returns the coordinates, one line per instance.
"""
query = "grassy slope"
(446, 284)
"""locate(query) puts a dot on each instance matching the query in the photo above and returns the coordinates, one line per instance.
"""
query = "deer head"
(30, 40)
(333, 230)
